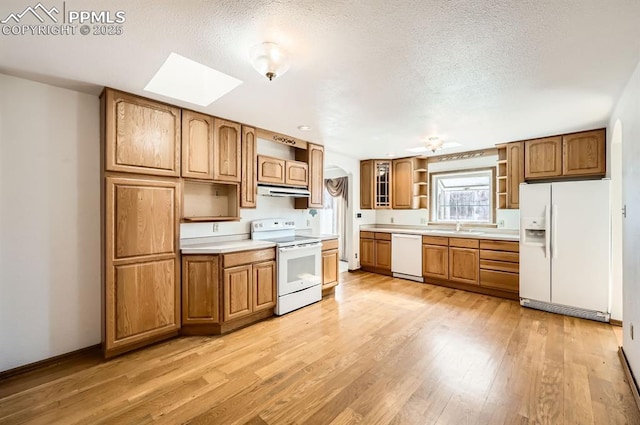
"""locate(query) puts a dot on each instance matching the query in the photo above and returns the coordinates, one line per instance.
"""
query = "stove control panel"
(272, 224)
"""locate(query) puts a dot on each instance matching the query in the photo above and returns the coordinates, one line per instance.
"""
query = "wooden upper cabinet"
(383, 254)
(141, 136)
(264, 286)
(296, 173)
(238, 293)
(584, 153)
(142, 217)
(248, 183)
(314, 157)
(227, 139)
(464, 265)
(402, 183)
(435, 261)
(197, 145)
(543, 158)
(382, 176)
(271, 170)
(515, 173)
(366, 184)
(200, 289)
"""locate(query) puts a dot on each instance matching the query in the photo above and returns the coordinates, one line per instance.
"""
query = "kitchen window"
(463, 196)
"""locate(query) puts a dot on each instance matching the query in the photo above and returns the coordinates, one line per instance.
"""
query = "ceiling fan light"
(269, 59)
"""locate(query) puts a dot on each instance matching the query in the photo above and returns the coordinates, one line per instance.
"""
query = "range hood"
(283, 191)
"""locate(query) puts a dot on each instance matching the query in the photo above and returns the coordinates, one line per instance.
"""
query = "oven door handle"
(300, 247)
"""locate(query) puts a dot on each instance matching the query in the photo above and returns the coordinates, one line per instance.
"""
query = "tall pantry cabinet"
(140, 221)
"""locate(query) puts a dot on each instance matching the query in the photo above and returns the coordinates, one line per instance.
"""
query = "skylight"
(187, 80)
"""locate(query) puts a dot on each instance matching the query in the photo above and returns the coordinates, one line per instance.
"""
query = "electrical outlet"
(500, 223)
(391, 220)
(308, 223)
(215, 227)
(423, 220)
(631, 330)
(356, 255)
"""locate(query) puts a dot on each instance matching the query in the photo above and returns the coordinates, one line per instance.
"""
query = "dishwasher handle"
(404, 236)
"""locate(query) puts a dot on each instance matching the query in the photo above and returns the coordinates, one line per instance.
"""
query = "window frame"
(433, 199)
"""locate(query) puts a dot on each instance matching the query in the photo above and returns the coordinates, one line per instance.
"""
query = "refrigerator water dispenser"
(533, 231)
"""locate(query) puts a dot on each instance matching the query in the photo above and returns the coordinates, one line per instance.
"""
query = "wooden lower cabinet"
(383, 255)
(463, 265)
(500, 265)
(367, 252)
(227, 291)
(435, 261)
(330, 264)
(375, 252)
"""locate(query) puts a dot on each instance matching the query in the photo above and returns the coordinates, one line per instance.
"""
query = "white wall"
(627, 110)
(615, 172)
(49, 221)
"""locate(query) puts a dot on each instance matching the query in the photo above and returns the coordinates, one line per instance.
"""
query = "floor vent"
(567, 311)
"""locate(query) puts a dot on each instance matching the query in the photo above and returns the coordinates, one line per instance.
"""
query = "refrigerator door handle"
(554, 227)
(547, 236)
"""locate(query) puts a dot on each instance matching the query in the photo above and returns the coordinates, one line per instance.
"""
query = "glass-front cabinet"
(382, 184)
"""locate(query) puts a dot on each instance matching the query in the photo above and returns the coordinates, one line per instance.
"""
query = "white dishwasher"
(406, 256)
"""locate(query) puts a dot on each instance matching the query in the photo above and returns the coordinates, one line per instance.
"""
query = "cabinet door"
(141, 136)
(296, 173)
(366, 184)
(464, 265)
(264, 286)
(270, 170)
(226, 151)
(543, 158)
(435, 261)
(248, 185)
(383, 255)
(238, 292)
(316, 175)
(515, 173)
(402, 183)
(367, 253)
(200, 289)
(197, 145)
(382, 185)
(330, 267)
(142, 272)
(584, 153)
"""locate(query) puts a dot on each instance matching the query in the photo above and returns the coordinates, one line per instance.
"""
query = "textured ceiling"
(370, 77)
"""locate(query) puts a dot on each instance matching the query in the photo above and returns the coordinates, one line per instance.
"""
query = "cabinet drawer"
(499, 280)
(366, 235)
(435, 240)
(509, 257)
(248, 257)
(383, 236)
(464, 243)
(330, 244)
(500, 245)
(500, 265)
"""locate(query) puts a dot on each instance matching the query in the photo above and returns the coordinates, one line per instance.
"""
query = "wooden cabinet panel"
(435, 240)
(367, 253)
(382, 236)
(264, 286)
(296, 173)
(330, 268)
(510, 246)
(463, 265)
(382, 177)
(200, 289)
(366, 184)
(238, 292)
(543, 158)
(249, 160)
(314, 157)
(142, 216)
(464, 243)
(271, 170)
(141, 136)
(500, 280)
(141, 303)
(246, 257)
(435, 261)
(584, 153)
(367, 235)
(227, 151)
(515, 173)
(502, 266)
(197, 145)
(510, 257)
(383, 254)
(402, 183)
(329, 244)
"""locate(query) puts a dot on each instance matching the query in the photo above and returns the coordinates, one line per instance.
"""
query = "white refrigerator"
(565, 248)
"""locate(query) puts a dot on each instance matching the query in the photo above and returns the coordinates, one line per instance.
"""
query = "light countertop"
(226, 247)
(489, 233)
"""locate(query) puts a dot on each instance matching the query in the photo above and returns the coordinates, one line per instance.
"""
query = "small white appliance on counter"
(565, 248)
(406, 256)
(298, 258)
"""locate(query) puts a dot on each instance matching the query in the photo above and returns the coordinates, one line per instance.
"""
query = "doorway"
(334, 217)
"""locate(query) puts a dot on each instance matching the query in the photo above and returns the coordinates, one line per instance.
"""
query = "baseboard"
(615, 322)
(629, 375)
(42, 364)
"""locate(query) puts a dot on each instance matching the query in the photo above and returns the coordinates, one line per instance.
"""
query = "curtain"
(338, 187)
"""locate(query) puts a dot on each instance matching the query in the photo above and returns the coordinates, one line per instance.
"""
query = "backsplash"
(509, 218)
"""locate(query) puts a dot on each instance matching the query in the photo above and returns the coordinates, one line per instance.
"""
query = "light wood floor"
(384, 351)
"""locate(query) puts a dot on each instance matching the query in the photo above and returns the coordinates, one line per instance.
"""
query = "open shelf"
(209, 201)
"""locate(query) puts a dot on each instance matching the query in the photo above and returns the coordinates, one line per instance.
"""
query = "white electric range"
(299, 281)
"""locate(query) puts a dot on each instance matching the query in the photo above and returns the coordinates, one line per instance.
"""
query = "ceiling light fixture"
(304, 127)
(269, 59)
(434, 143)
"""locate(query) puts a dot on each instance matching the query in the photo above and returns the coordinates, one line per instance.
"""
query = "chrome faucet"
(458, 226)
